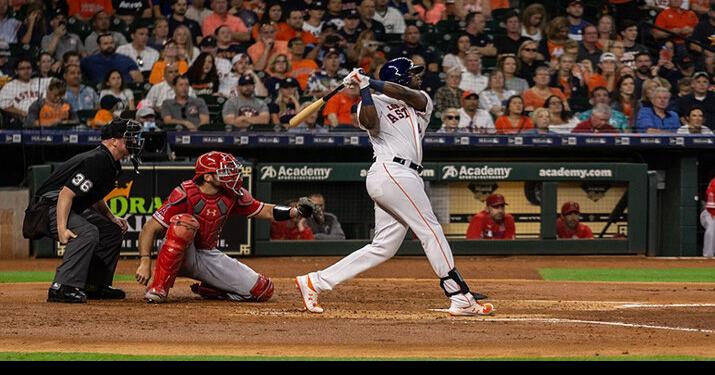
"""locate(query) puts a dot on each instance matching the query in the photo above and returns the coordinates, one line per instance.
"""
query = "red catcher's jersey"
(563, 231)
(211, 211)
(482, 227)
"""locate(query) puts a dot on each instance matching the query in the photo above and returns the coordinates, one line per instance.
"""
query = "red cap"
(570, 207)
(467, 94)
(496, 200)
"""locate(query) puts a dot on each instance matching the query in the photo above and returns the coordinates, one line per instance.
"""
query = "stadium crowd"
(492, 66)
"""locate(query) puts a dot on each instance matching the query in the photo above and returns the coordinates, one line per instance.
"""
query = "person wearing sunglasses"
(450, 121)
(138, 50)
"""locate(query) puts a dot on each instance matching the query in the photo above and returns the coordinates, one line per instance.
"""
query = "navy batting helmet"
(398, 70)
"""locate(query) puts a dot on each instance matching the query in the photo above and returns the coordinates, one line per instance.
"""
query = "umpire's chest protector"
(210, 211)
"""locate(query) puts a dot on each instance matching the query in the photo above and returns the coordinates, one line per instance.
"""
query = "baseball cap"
(697, 75)
(351, 13)
(144, 112)
(608, 56)
(208, 42)
(108, 102)
(246, 79)
(467, 94)
(495, 200)
(316, 5)
(238, 57)
(570, 207)
(332, 51)
(685, 61)
(289, 82)
(56, 12)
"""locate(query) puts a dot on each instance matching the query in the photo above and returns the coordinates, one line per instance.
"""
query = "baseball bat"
(314, 106)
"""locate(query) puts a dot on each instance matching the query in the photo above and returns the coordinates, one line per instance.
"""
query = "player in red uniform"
(493, 223)
(193, 217)
(568, 225)
(707, 220)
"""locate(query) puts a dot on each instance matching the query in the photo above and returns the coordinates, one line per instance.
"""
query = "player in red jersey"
(493, 223)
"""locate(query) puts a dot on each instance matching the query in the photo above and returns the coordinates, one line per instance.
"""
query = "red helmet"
(224, 165)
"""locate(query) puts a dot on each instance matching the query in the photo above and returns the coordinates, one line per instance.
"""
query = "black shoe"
(105, 292)
(478, 296)
(65, 294)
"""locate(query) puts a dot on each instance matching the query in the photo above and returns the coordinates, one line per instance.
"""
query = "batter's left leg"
(708, 222)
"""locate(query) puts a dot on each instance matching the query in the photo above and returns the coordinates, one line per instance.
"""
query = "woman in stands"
(509, 66)
(274, 13)
(514, 120)
(560, 120)
(694, 123)
(493, 98)
(541, 119)
(450, 94)
(114, 85)
(459, 53)
(278, 70)
(536, 96)
(160, 34)
(34, 27)
(533, 22)
(529, 60)
(203, 76)
(184, 42)
(557, 33)
(367, 49)
(625, 100)
(169, 55)
(606, 31)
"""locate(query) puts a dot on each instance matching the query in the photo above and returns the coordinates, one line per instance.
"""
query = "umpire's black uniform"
(90, 259)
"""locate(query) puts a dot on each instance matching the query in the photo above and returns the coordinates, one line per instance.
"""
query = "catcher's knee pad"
(454, 282)
(181, 232)
(262, 290)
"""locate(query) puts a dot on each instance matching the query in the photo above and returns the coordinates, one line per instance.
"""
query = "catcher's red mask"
(225, 166)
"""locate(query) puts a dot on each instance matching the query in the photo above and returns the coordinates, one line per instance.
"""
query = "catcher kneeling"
(193, 217)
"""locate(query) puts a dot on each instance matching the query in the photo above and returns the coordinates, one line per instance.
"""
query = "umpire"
(69, 207)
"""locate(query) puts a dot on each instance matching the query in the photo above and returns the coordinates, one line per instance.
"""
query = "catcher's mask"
(225, 166)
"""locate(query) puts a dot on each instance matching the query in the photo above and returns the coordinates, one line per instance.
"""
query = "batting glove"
(356, 78)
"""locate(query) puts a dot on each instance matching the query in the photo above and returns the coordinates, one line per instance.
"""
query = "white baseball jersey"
(21, 95)
(401, 128)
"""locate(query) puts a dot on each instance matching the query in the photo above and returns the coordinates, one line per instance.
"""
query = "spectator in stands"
(34, 28)
(272, 14)
(472, 118)
(677, 21)
(349, 30)
(649, 87)
(293, 229)
(100, 26)
(541, 119)
(219, 17)
(618, 120)
(178, 18)
(568, 225)
(202, 75)
(197, 11)
(514, 120)
(606, 31)
(390, 17)
(629, 37)
(456, 59)
(536, 96)
(412, 46)
(286, 104)
(147, 117)
(163, 90)
(8, 25)
(334, 13)
(184, 112)
(569, 79)
(51, 110)
(17, 95)
(324, 225)
(314, 21)
(337, 109)
(96, 67)
(479, 38)
(450, 121)
(512, 40)
(472, 77)
(183, 39)
(430, 11)
(493, 98)
(243, 11)
(533, 22)
(226, 47)
(322, 82)
(46, 65)
(605, 76)
(588, 47)
(560, 120)
(366, 9)
(310, 124)
(700, 97)
(431, 81)
(129, 11)
(294, 29)
(114, 85)
(245, 109)
(644, 70)
(5, 68)
(278, 70)
(241, 63)
(574, 14)
(79, 96)
(266, 47)
(105, 115)
(160, 34)
(625, 100)
(301, 67)
(169, 56)
(695, 122)
(85, 9)
(59, 41)
(703, 33)
(509, 66)
(138, 50)
(529, 60)
(493, 223)
(598, 122)
(450, 94)
(657, 119)
(557, 33)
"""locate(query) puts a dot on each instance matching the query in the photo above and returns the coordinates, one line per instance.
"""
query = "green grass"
(41, 276)
(52, 356)
(629, 274)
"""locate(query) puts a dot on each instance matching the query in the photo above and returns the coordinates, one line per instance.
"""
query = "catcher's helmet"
(224, 165)
(398, 70)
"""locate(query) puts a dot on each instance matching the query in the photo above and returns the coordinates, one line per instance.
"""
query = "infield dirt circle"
(384, 313)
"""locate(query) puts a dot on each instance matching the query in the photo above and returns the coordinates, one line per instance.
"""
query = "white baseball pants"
(708, 222)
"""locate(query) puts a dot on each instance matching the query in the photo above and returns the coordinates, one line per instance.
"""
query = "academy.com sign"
(303, 173)
(580, 173)
(452, 172)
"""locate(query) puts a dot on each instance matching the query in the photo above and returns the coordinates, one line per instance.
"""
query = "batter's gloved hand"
(357, 78)
(306, 207)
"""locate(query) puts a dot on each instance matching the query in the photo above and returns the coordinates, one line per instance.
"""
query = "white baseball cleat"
(152, 296)
(307, 291)
(475, 308)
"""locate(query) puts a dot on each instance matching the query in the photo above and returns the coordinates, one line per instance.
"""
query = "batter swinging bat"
(314, 106)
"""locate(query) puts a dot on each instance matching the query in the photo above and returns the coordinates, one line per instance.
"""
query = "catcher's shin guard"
(263, 289)
(182, 230)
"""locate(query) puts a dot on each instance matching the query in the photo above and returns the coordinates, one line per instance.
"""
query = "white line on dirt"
(596, 322)
(645, 305)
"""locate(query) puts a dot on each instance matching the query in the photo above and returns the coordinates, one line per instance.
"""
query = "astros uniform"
(400, 199)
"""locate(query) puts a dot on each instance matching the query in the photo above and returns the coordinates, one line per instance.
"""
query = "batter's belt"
(406, 163)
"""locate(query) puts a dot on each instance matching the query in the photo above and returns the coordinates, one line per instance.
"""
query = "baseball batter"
(395, 119)
(193, 217)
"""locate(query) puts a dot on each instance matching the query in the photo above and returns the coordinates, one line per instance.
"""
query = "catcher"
(193, 217)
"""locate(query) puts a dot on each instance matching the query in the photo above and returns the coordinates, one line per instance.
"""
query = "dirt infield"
(384, 313)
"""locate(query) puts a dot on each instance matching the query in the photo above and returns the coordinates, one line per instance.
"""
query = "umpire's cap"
(398, 70)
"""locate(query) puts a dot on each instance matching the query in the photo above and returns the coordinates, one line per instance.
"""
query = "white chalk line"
(595, 322)
(645, 305)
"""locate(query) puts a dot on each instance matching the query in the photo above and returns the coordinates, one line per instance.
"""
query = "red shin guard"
(181, 232)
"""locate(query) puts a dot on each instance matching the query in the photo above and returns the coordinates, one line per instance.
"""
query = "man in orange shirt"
(337, 109)
(568, 225)
(677, 20)
(493, 223)
(295, 29)
(301, 68)
(219, 17)
(266, 47)
(85, 9)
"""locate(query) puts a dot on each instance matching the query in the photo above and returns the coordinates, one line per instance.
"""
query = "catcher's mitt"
(306, 207)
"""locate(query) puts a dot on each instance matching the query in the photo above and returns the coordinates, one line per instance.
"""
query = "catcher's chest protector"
(211, 212)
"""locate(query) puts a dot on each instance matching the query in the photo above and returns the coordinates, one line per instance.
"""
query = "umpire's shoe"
(105, 292)
(65, 294)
